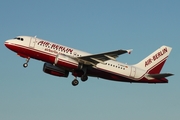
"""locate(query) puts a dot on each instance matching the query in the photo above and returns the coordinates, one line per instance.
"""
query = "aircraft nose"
(7, 43)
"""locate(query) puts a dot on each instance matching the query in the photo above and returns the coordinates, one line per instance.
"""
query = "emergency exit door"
(32, 42)
(133, 72)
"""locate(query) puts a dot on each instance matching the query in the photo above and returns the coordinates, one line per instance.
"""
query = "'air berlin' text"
(156, 56)
(53, 46)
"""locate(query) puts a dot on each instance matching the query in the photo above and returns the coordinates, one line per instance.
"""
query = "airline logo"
(52, 47)
(156, 56)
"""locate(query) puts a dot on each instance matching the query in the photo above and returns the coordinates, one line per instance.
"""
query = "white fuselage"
(55, 53)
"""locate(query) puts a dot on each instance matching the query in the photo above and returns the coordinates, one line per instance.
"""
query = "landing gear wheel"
(25, 65)
(75, 82)
(84, 78)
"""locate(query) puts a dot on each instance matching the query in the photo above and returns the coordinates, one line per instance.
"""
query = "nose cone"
(8, 44)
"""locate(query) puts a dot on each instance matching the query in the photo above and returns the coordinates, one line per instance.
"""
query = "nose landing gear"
(26, 63)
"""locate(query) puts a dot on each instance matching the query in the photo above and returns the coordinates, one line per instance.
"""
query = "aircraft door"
(133, 72)
(32, 42)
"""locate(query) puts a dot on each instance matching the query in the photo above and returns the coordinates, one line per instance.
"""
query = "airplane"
(61, 60)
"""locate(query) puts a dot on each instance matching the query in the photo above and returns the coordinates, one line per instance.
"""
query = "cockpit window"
(18, 38)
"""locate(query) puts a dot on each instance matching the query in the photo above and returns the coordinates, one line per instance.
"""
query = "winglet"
(129, 51)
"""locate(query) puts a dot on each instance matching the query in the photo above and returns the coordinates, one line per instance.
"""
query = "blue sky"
(93, 26)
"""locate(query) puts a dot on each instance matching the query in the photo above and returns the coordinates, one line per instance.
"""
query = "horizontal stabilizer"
(158, 76)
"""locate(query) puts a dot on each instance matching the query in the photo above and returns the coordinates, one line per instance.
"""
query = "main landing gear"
(75, 82)
(26, 63)
(84, 76)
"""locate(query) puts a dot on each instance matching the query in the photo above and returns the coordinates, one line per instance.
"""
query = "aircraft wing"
(100, 58)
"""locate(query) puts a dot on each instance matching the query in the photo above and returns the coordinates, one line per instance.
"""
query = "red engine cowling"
(56, 71)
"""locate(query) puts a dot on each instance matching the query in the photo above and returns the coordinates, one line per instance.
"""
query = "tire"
(75, 82)
(25, 65)
(84, 78)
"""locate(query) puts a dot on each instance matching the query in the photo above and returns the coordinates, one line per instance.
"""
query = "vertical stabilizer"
(155, 61)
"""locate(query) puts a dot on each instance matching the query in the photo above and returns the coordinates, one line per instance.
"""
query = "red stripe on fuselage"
(39, 55)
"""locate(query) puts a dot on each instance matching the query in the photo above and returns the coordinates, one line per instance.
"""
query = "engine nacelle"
(53, 70)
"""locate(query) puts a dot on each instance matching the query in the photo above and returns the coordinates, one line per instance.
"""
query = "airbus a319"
(61, 60)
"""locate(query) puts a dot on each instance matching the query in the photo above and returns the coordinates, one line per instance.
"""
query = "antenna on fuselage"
(35, 36)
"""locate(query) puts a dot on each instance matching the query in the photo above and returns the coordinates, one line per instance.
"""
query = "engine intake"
(53, 70)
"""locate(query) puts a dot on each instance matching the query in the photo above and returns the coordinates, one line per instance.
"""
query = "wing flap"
(102, 57)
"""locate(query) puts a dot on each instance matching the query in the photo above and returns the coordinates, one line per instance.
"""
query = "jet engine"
(53, 70)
